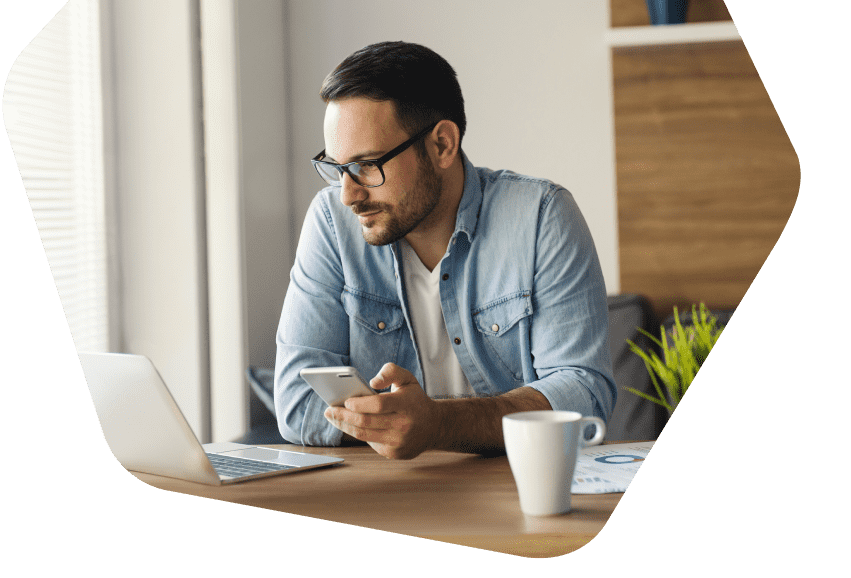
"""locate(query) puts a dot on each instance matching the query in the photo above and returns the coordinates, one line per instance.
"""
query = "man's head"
(422, 86)
(379, 98)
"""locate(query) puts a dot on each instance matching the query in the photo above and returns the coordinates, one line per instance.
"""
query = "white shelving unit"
(671, 34)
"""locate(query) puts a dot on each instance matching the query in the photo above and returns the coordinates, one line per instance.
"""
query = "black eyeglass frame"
(379, 162)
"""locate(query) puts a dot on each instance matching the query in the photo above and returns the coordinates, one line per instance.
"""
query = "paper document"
(608, 469)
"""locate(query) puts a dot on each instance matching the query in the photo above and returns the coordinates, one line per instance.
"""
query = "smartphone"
(336, 384)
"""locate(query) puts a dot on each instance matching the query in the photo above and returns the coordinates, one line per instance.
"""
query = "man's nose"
(350, 191)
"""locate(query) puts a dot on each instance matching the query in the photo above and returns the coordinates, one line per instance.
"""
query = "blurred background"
(165, 146)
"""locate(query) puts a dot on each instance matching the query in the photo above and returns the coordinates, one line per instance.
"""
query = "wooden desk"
(456, 498)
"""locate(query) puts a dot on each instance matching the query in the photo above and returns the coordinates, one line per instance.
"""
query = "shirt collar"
(471, 201)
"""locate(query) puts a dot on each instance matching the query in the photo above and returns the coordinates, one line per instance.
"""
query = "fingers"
(381, 428)
(376, 421)
(373, 404)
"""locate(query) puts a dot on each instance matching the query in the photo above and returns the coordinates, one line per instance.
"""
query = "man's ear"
(447, 139)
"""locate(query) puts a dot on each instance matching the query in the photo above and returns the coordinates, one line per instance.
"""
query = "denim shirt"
(521, 289)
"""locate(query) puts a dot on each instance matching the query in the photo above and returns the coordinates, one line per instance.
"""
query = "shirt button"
(495, 328)
(381, 325)
(457, 341)
(445, 276)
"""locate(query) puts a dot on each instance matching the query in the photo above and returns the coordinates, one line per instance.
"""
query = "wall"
(265, 170)
(157, 186)
(171, 233)
(265, 174)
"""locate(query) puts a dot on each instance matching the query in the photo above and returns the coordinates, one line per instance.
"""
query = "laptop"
(147, 432)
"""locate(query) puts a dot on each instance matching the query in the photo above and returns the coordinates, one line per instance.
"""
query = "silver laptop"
(148, 433)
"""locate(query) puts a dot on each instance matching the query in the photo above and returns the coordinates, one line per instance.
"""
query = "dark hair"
(422, 85)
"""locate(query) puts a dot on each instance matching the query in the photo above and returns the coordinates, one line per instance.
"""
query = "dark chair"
(634, 418)
(263, 424)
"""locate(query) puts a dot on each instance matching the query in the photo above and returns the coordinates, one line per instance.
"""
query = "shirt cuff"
(566, 394)
(316, 430)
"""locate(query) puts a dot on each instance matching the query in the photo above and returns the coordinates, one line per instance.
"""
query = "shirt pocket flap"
(497, 317)
(374, 313)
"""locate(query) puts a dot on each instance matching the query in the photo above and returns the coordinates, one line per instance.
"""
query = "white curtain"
(52, 106)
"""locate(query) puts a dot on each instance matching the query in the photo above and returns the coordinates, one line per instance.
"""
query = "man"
(465, 294)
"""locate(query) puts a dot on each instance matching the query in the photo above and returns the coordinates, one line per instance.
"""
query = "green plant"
(681, 359)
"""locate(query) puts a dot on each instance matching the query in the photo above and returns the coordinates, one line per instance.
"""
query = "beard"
(414, 207)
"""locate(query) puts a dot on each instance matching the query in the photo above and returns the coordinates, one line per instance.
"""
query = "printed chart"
(608, 469)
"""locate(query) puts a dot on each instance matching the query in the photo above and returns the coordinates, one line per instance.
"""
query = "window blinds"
(53, 113)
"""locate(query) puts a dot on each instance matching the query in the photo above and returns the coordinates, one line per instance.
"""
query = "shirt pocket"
(499, 326)
(375, 330)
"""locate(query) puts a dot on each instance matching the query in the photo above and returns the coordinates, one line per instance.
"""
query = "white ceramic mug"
(542, 448)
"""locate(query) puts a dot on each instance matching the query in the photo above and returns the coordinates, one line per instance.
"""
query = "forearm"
(474, 425)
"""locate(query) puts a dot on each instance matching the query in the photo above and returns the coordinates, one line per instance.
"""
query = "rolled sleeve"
(569, 330)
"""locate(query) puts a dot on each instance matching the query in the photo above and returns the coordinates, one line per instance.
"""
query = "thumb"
(393, 376)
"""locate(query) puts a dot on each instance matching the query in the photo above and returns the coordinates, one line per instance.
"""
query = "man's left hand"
(399, 424)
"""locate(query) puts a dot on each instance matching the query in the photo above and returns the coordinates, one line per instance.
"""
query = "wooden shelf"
(671, 34)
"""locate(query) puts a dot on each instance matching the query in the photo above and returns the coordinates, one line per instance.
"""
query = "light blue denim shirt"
(521, 289)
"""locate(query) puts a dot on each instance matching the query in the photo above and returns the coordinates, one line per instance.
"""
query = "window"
(52, 106)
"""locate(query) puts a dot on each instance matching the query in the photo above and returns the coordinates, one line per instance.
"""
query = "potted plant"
(683, 353)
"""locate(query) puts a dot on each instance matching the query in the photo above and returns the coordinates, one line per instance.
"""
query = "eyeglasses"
(366, 173)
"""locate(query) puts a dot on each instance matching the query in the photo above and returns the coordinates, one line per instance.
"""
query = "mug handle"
(598, 435)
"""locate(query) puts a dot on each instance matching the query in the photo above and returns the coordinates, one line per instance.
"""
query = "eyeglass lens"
(363, 173)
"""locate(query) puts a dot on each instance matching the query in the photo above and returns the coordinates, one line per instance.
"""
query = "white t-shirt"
(441, 371)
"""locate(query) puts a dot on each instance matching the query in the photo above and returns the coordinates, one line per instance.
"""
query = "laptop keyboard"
(231, 467)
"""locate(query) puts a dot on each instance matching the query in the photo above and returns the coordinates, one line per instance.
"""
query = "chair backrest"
(634, 418)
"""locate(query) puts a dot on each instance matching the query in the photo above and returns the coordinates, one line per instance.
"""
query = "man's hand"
(405, 422)
(399, 424)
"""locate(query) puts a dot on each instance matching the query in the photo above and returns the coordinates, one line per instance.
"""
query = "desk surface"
(450, 497)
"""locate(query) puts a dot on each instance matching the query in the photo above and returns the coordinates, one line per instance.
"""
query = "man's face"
(358, 129)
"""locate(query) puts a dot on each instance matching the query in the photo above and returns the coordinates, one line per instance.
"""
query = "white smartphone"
(336, 384)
